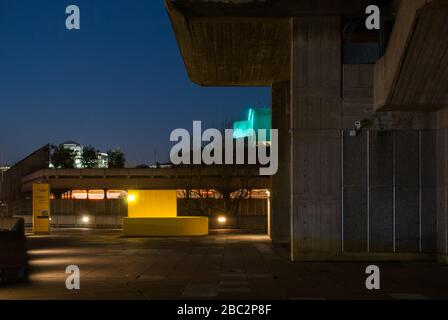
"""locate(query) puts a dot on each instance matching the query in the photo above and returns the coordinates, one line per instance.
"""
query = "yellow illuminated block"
(152, 203)
(41, 208)
(165, 227)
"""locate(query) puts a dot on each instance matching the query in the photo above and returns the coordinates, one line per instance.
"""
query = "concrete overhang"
(413, 73)
(245, 42)
(208, 177)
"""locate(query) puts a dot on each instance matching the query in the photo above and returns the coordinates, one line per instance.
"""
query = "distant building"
(4, 168)
(77, 148)
(103, 160)
(161, 166)
(257, 118)
(100, 195)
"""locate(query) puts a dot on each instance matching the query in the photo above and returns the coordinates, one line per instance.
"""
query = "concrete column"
(280, 215)
(315, 141)
(442, 182)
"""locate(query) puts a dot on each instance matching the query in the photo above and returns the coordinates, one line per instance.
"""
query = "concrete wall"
(371, 196)
(87, 207)
(389, 192)
(252, 213)
(71, 221)
(76, 221)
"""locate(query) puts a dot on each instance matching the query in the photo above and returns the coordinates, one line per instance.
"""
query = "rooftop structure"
(77, 149)
(257, 119)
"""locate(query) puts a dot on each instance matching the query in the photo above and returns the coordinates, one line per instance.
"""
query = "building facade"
(98, 197)
(257, 119)
(361, 116)
(77, 149)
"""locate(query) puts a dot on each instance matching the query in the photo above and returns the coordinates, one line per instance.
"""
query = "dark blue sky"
(118, 82)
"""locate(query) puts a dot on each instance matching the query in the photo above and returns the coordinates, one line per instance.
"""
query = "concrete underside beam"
(187, 177)
(257, 182)
(234, 51)
(271, 8)
(245, 43)
(413, 73)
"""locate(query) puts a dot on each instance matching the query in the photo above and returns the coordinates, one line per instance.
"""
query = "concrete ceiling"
(244, 42)
(234, 51)
(271, 8)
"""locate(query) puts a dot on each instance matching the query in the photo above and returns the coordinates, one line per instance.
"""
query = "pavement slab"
(234, 264)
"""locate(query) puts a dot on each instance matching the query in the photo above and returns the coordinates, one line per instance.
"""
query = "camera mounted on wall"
(357, 129)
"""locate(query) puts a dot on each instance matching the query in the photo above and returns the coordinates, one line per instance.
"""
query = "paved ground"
(224, 265)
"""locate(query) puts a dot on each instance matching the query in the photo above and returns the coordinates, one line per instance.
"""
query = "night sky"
(118, 82)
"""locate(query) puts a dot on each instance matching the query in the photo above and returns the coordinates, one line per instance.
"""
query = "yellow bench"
(165, 227)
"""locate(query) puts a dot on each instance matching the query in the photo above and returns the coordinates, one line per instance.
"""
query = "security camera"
(355, 132)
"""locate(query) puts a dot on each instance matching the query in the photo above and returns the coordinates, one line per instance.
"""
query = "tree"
(199, 202)
(142, 166)
(89, 157)
(233, 196)
(234, 187)
(62, 157)
(117, 159)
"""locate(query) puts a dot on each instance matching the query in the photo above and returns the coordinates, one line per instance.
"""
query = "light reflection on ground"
(227, 264)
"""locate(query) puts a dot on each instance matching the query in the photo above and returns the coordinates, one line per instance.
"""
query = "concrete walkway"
(224, 265)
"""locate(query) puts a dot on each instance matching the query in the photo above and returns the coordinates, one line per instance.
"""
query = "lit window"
(116, 194)
(79, 194)
(182, 194)
(96, 194)
(260, 194)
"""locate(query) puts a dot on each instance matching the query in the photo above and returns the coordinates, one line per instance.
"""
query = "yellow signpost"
(41, 208)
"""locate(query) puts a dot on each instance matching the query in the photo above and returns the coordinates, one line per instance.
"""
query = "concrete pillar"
(280, 215)
(442, 185)
(315, 141)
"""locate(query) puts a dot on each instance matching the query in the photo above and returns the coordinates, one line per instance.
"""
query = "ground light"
(85, 219)
(222, 219)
